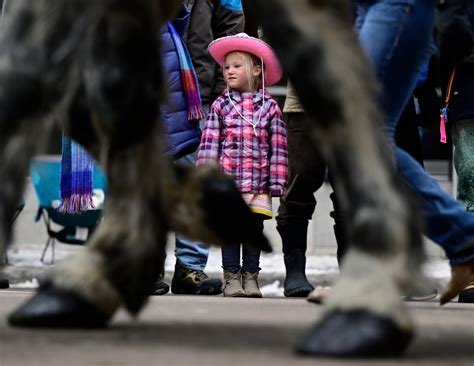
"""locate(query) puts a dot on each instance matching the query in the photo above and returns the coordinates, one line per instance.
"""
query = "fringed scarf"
(188, 77)
(76, 178)
(77, 165)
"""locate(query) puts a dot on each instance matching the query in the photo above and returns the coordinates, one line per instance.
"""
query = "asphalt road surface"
(198, 330)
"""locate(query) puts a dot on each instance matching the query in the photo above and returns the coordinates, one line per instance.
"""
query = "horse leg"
(122, 79)
(364, 313)
(29, 88)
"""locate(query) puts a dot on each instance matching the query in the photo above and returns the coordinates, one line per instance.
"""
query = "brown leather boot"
(233, 284)
(250, 284)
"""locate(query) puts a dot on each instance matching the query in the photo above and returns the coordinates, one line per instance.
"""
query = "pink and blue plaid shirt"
(256, 158)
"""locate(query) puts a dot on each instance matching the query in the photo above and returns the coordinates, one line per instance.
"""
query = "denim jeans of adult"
(190, 253)
(397, 38)
(250, 256)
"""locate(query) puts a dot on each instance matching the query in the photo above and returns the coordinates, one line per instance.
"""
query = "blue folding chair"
(75, 229)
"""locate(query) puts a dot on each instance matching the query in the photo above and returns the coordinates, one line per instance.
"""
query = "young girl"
(246, 135)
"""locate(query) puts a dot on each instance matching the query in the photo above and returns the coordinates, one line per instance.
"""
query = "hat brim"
(222, 46)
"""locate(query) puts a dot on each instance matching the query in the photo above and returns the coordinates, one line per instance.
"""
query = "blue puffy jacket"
(184, 136)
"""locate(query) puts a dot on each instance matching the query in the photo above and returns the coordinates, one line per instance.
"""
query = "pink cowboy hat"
(220, 47)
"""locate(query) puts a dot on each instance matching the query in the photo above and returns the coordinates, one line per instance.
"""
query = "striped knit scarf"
(188, 77)
(77, 165)
(76, 178)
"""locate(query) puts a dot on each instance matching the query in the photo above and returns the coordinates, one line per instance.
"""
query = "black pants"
(306, 174)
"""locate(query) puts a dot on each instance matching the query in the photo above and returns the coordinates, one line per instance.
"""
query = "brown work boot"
(250, 284)
(233, 284)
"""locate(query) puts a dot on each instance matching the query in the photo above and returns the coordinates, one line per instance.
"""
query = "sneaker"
(250, 284)
(467, 294)
(233, 284)
(4, 283)
(193, 282)
(160, 288)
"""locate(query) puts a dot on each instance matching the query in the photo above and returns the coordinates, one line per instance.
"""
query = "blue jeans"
(396, 35)
(191, 254)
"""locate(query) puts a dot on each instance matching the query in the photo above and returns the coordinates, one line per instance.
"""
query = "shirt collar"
(256, 97)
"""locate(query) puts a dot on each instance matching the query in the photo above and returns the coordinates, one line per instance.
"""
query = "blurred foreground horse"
(95, 66)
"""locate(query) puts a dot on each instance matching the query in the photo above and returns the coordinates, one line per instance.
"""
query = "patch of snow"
(437, 269)
(272, 290)
(27, 284)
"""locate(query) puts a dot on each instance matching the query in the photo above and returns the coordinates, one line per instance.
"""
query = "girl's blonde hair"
(250, 62)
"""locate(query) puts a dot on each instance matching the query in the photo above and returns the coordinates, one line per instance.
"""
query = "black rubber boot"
(296, 284)
(294, 241)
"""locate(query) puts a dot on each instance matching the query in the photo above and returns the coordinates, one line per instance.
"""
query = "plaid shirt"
(256, 158)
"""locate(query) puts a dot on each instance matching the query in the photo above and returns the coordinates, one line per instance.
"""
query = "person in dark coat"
(207, 20)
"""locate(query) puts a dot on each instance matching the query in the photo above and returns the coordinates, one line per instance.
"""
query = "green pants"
(462, 133)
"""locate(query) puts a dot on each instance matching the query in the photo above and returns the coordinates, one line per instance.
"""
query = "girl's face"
(236, 72)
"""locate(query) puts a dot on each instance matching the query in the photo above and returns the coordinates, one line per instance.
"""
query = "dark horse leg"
(32, 79)
(364, 313)
(121, 77)
(113, 108)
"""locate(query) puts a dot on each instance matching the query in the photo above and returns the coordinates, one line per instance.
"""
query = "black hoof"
(52, 307)
(356, 333)
(4, 283)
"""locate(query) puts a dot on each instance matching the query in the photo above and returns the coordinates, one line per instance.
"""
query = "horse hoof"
(355, 333)
(52, 307)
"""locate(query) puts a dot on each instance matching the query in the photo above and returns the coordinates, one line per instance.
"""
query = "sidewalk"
(30, 237)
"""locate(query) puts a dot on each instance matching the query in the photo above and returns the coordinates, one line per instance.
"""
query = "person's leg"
(462, 133)
(232, 271)
(407, 135)
(191, 256)
(306, 170)
(397, 58)
(189, 277)
(189, 253)
(251, 266)
(251, 256)
(231, 257)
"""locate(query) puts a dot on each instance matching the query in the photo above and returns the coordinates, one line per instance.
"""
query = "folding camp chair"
(75, 229)
(21, 206)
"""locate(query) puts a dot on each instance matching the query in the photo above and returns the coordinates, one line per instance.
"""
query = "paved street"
(194, 330)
